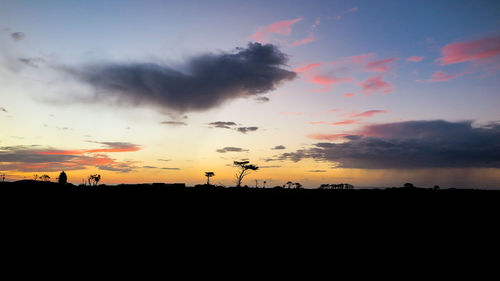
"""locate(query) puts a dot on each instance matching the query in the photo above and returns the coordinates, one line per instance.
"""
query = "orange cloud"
(369, 113)
(280, 27)
(479, 50)
(345, 122)
(348, 95)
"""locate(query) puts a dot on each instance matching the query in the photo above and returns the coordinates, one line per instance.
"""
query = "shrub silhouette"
(63, 179)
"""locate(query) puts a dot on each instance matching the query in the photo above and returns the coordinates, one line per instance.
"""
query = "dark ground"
(343, 220)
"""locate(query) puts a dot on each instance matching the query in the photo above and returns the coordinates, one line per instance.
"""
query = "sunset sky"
(371, 93)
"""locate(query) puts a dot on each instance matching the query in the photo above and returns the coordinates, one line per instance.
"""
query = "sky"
(371, 93)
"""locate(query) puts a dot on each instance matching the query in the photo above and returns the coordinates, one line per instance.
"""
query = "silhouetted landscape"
(173, 213)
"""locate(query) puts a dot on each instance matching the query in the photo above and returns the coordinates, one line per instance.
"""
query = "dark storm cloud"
(244, 130)
(412, 144)
(205, 81)
(222, 124)
(231, 149)
(174, 123)
(18, 36)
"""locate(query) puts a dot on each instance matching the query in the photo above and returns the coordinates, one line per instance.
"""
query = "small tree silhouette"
(94, 179)
(409, 185)
(63, 179)
(264, 186)
(3, 177)
(289, 184)
(45, 177)
(298, 185)
(244, 168)
(209, 175)
(35, 177)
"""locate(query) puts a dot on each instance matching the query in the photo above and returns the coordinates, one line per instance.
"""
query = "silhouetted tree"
(94, 179)
(44, 177)
(63, 179)
(298, 185)
(289, 184)
(3, 177)
(244, 168)
(408, 185)
(264, 186)
(209, 175)
(35, 177)
(436, 187)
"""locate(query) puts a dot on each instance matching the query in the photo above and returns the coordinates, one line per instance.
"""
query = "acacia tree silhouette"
(45, 177)
(244, 168)
(209, 175)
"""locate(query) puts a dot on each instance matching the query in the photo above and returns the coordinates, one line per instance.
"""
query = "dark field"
(410, 217)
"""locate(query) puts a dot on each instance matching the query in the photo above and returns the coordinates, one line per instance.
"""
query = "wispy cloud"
(231, 149)
(380, 65)
(174, 123)
(281, 27)
(415, 59)
(441, 76)
(17, 36)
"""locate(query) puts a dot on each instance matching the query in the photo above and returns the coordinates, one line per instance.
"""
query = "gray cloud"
(167, 168)
(205, 82)
(33, 62)
(244, 130)
(18, 36)
(261, 99)
(222, 124)
(174, 123)
(411, 145)
(3, 109)
(278, 147)
(316, 171)
(231, 149)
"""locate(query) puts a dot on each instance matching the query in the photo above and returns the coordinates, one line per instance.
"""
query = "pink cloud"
(330, 137)
(415, 58)
(327, 82)
(345, 122)
(303, 41)
(441, 76)
(318, 123)
(348, 95)
(375, 84)
(334, 110)
(356, 59)
(280, 27)
(479, 50)
(379, 65)
(369, 113)
(307, 67)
